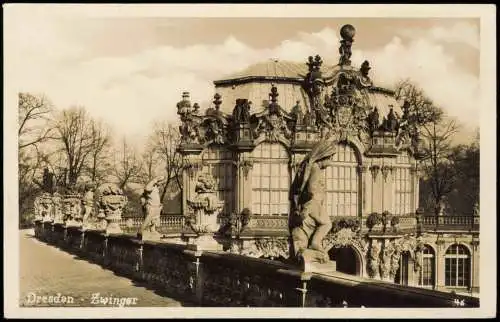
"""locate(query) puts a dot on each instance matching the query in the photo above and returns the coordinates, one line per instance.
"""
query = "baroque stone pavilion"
(262, 123)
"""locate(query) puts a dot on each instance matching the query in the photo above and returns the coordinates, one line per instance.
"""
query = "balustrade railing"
(168, 223)
(231, 280)
(450, 222)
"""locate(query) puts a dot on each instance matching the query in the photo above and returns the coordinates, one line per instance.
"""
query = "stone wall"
(212, 278)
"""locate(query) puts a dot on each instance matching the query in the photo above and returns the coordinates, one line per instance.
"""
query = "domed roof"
(271, 69)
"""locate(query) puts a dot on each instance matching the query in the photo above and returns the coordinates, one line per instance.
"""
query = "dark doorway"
(346, 260)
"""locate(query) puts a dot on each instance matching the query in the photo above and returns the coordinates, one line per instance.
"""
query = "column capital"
(361, 168)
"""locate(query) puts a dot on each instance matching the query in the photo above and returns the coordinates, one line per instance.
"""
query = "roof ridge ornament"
(273, 95)
(347, 32)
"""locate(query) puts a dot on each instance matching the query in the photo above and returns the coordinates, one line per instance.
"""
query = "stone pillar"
(376, 189)
(387, 187)
(244, 165)
(475, 275)
(440, 263)
(363, 200)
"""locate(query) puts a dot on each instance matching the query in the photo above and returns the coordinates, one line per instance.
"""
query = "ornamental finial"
(347, 33)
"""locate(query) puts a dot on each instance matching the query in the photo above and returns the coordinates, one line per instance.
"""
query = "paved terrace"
(48, 270)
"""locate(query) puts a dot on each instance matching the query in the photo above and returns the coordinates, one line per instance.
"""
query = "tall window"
(428, 264)
(218, 162)
(342, 183)
(270, 180)
(457, 266)
(403, 185)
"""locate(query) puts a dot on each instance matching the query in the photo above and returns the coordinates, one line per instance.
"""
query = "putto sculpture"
(309, 221)
(152, 206)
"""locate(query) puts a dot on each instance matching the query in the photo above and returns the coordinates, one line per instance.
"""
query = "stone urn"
(111, 202)
(204, 210)
(71, 204)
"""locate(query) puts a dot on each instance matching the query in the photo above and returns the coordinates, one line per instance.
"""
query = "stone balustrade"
(450, 222)
(212, 278)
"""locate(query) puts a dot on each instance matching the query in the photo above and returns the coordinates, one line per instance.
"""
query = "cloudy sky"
(131, 71)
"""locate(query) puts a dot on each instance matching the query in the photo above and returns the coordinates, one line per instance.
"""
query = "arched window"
(428, 264)
(270, 180)
(403, 185)
(219, 163)
(457, 266)
(342, 183)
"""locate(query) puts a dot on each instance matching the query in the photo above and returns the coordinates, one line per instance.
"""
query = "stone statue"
(152, 206)
(364, 80)
(298, 114)
(241, 112)
(391, 122)
(88, 203)
(373, 120)
(309, 222)
(58, 215)
(48, 181)
(475, 210)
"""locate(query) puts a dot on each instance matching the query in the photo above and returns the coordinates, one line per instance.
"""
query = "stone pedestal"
(315, 267)
(204, 243)
(151, 235)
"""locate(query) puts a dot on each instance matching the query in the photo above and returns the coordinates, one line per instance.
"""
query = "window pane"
(284, 182)
(265, 184)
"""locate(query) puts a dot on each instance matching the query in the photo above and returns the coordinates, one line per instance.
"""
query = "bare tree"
(435, 133)
(34, 119)
(127, 165)
(439, 164)
(151, 162)
(165, 139)
(75, 134)
(99, 164)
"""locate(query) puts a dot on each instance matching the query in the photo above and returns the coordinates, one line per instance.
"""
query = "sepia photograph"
(209, 160)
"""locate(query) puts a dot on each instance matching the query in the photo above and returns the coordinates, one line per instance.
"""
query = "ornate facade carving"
(345, 237)
(190, 120)
(386, 169)
(246, 165)
(273, 122)
(205, 206)
(375, 170)
(386, 259)
(374, 258)
(272, 248)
